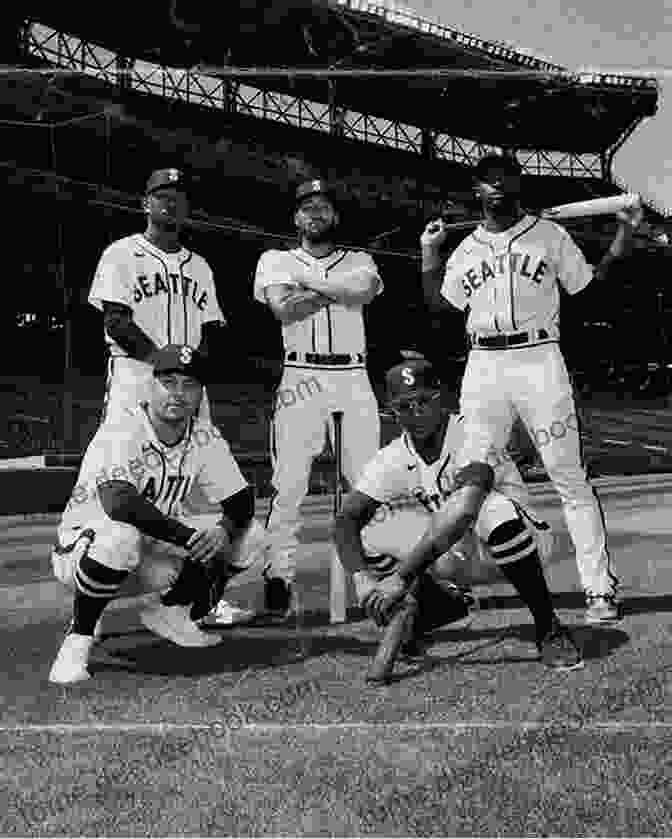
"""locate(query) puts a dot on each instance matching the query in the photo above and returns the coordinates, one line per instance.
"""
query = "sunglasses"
(414, 406)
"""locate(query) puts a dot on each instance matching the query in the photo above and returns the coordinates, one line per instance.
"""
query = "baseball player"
(153, 291)
(128, 527)
(507, 274)
(440, 509)
(318, 292)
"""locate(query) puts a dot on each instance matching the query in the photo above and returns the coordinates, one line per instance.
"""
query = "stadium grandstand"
(392, 108)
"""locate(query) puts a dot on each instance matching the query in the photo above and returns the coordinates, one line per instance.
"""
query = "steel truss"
(70, 52)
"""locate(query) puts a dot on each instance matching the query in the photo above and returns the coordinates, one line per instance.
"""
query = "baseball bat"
(576, 209)
(338, 583)
(593, 207)
(396, 632)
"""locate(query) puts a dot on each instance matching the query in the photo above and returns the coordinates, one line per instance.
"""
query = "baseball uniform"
(410, 491)
(168, 477)
(171, 296)
(510, 284)
(324, 371)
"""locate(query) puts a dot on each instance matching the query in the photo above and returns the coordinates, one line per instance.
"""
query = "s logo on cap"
(407, 376)
(186, 354)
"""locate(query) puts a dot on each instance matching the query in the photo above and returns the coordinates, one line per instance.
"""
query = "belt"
(326, 359)
(503, 342)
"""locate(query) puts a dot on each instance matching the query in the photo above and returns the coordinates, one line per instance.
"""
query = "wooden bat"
(338, 582)
(396, 632)
(577, 209)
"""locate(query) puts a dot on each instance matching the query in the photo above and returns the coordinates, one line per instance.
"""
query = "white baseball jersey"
(165, 475)
(336, 328)
(171, 294)
(509, 280)
(398, 473)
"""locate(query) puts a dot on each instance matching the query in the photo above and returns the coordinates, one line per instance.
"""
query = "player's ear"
(145, 204)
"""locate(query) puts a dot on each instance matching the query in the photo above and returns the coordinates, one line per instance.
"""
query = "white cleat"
(226, 614)
(174, 624)
(70, 665)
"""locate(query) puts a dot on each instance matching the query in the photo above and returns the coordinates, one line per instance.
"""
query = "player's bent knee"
(510, 541)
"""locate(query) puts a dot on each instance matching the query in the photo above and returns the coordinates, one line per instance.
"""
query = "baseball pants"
(128, 383)
(154, 564)
(304, 404)
(533, 383)
(397, 532)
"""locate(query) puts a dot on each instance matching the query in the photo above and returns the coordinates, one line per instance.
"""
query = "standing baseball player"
(153, 291)
(439, 508)
(128, 527)
(318, 292)
(507, 274)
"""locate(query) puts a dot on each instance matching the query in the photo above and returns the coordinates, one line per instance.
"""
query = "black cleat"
(558, 650)
(277, 598)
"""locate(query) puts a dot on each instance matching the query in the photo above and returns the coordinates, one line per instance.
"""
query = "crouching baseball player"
(127, 528)
(473, 510)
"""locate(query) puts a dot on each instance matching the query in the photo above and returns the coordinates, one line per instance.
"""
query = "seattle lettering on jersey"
(185, 287)
(514, 264)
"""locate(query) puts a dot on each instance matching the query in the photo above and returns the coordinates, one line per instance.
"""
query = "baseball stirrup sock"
(96, 585)
(525, 574)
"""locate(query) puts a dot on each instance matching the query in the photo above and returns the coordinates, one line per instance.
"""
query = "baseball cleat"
(226, 614)
(558, 651)
(70, 665)
(278, 601)
(174, 624)
(602, 608)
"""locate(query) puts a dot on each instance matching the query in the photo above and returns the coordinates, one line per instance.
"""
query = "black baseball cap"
(180, 358)
(162, 178)
(505, 162)
(314, 187)
(413, 375)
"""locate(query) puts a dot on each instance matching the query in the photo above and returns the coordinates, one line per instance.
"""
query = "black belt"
(326, 359)
(502, 342)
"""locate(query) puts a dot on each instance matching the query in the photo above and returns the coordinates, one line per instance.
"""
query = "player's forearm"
(432, 278)
(124, 331)
(123, 503)
(617, 250)
(348, 541)
(300, 305)
(356, 288)
(440, 537)
(237, 512)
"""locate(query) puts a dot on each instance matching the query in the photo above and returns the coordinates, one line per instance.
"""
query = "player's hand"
(382, 600)
(206, 544)
(434, 235)
(631, 217)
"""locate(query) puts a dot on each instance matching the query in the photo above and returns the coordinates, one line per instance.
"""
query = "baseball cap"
(505, 162)
(412, 375)
(315, 187)
(161, 178)
(180, 358)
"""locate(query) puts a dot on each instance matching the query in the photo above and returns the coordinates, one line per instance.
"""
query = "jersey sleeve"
(369, 265)
(453, 289)
(385, 477)
(475, 474)
(112, 281)
(114, 454)
(574, 273)
(219, 475)
(271, 271)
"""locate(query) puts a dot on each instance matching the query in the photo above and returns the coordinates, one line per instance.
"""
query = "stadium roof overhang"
(367, 58)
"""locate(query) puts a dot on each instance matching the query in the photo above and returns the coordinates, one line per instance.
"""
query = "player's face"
(167, 208)
(316, 219)
(499, 190)
(420, 413)
(176, 397)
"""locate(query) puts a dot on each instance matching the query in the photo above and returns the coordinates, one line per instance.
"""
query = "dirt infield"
(274, 732)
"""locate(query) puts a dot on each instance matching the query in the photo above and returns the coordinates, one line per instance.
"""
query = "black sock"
(86, 612)
(527, 577)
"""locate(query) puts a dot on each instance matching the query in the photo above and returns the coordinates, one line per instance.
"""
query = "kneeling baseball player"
(127, 528)
(477, 510)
